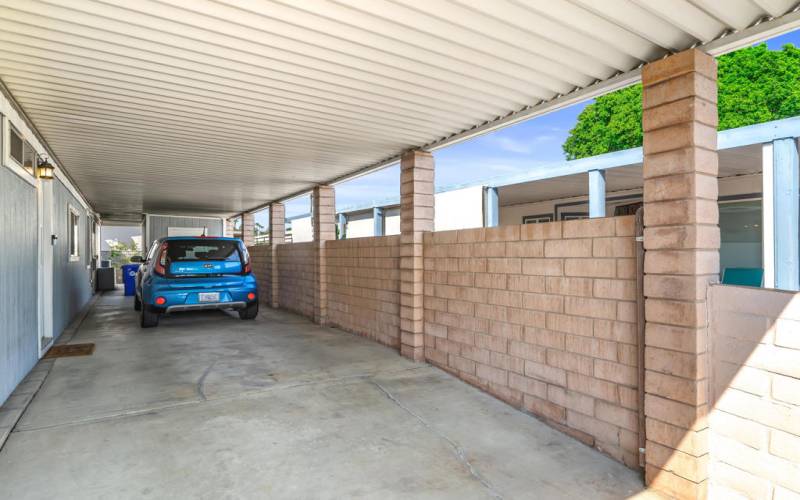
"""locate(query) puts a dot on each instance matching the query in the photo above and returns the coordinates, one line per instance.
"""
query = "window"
(73, 224)
(151, 254)
(199, 250)
(740, 234)
(16, 145)
(537, 219)
(29, 159)
(22, 152)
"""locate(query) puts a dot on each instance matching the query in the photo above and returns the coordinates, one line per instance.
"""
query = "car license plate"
(209, 296)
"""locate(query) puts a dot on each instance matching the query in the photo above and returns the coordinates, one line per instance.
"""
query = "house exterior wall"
(459, 209)
(157, 226)
(739, 185)
(360, 225)
(543, 317)
(19, 346)
(364, 287)
(71, 278)
(22, 201)
(754, 341)
(301, 230)
(297, 276)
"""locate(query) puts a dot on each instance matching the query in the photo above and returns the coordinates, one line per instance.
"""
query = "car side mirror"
(137, 258)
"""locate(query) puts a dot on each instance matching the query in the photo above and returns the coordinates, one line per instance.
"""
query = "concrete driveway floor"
(209, 406)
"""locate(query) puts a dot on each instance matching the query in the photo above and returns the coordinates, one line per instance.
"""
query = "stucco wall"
(364, 287)
(754, 442)
(542, 316)
(19, 345)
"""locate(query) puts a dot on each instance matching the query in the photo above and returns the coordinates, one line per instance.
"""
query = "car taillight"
(161, 260)
(161, 301)
(246, 258)
(251, 296)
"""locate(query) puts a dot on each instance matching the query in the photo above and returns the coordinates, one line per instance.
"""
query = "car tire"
(147, 317)
(137, 304)
(249, 312)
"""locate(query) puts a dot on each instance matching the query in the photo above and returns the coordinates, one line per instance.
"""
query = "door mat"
(68, 350)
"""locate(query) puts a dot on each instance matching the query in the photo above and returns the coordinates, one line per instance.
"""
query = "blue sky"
(511, 150)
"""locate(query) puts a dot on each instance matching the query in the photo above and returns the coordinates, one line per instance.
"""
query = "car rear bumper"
(204, 307)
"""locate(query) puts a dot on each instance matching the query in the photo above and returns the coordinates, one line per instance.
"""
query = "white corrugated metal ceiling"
(214, 107)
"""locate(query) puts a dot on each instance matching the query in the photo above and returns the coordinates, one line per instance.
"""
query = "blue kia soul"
(195, 273)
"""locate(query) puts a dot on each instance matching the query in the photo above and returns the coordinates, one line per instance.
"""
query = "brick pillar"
(277, 235)
(416, 218)
(682, 242)
(248, 229)
(323, 222)
(228, 232)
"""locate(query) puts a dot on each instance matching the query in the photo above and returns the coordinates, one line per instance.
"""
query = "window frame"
(73, 233)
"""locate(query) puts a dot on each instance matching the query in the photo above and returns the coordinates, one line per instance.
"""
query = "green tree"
(121, 252)
(755, 85)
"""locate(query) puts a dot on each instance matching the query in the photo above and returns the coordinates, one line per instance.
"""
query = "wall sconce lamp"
(45, 169)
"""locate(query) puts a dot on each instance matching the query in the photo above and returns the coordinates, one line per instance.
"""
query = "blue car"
(195, 273)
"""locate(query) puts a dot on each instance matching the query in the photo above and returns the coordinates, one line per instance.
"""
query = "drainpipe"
(639, 221)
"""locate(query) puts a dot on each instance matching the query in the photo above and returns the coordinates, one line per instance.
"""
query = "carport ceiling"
(213, 107)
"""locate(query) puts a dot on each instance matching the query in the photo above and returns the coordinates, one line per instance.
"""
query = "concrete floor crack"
(202, 380)
(458, 451)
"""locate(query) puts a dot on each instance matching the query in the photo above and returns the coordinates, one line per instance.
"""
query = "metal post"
(377, 221)
(597, 193)
(491, 207)
(786, 213)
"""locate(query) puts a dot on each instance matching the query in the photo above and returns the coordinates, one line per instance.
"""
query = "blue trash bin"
(129, 278)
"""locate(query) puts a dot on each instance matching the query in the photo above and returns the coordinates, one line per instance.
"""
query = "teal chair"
(743, 276)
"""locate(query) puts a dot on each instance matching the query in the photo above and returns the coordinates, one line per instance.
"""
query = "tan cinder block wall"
(324, 230)
(681, 238)
(416, 219)
(755, 393)
(277, 235)
(297, 276)
(543, 317)
(248, 228)
(364, 287)
(261, 262)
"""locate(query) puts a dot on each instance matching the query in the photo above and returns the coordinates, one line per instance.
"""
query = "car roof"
(211, 238)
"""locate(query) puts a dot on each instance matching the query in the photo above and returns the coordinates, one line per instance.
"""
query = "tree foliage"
(755, 85)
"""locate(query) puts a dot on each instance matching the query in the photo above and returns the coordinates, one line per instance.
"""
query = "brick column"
(248, 229)
(228, 231)
(416, 217)
(682, 242)
(277, 235)
(323, 222)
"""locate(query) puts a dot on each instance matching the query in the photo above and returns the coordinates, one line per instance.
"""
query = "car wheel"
(147, 317)
(249, 312)
(137, 304)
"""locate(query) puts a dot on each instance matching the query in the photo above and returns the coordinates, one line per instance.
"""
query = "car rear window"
(194, 250)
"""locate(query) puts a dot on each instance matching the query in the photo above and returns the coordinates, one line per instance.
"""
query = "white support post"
(491, 207)
(786, 213)
(768, 216)
(597, 193)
